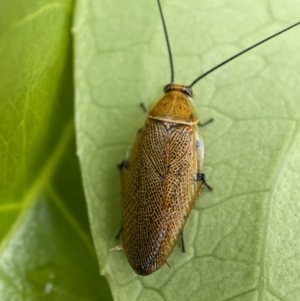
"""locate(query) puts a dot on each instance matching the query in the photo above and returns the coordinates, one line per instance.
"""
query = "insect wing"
(159, 190)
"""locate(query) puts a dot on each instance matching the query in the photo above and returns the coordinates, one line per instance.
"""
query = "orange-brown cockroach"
(162, 176)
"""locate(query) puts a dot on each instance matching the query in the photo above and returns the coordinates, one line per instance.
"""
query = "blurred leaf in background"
(46, 252)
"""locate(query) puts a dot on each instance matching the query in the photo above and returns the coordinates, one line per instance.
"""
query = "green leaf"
(46, 251)
(243, 239)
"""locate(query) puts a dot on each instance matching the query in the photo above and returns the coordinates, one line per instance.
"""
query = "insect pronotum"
(162, 176)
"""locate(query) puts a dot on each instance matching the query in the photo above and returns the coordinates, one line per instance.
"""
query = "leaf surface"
(243, 239)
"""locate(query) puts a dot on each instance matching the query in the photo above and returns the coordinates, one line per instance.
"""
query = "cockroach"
(162, 176)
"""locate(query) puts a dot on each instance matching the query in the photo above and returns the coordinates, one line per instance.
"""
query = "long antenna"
(240, 53)
(167, 40)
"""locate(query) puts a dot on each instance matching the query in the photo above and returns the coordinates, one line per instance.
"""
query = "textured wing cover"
(158, 192)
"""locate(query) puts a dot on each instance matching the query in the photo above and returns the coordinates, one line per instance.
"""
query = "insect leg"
(119, 233)
(122, 165)
(142, 105)
(202, 178)
(206, 122)
(199, 153)
(182, 242)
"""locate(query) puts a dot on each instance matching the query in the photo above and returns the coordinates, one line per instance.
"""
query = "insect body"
(162, 178)
(162, 175)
